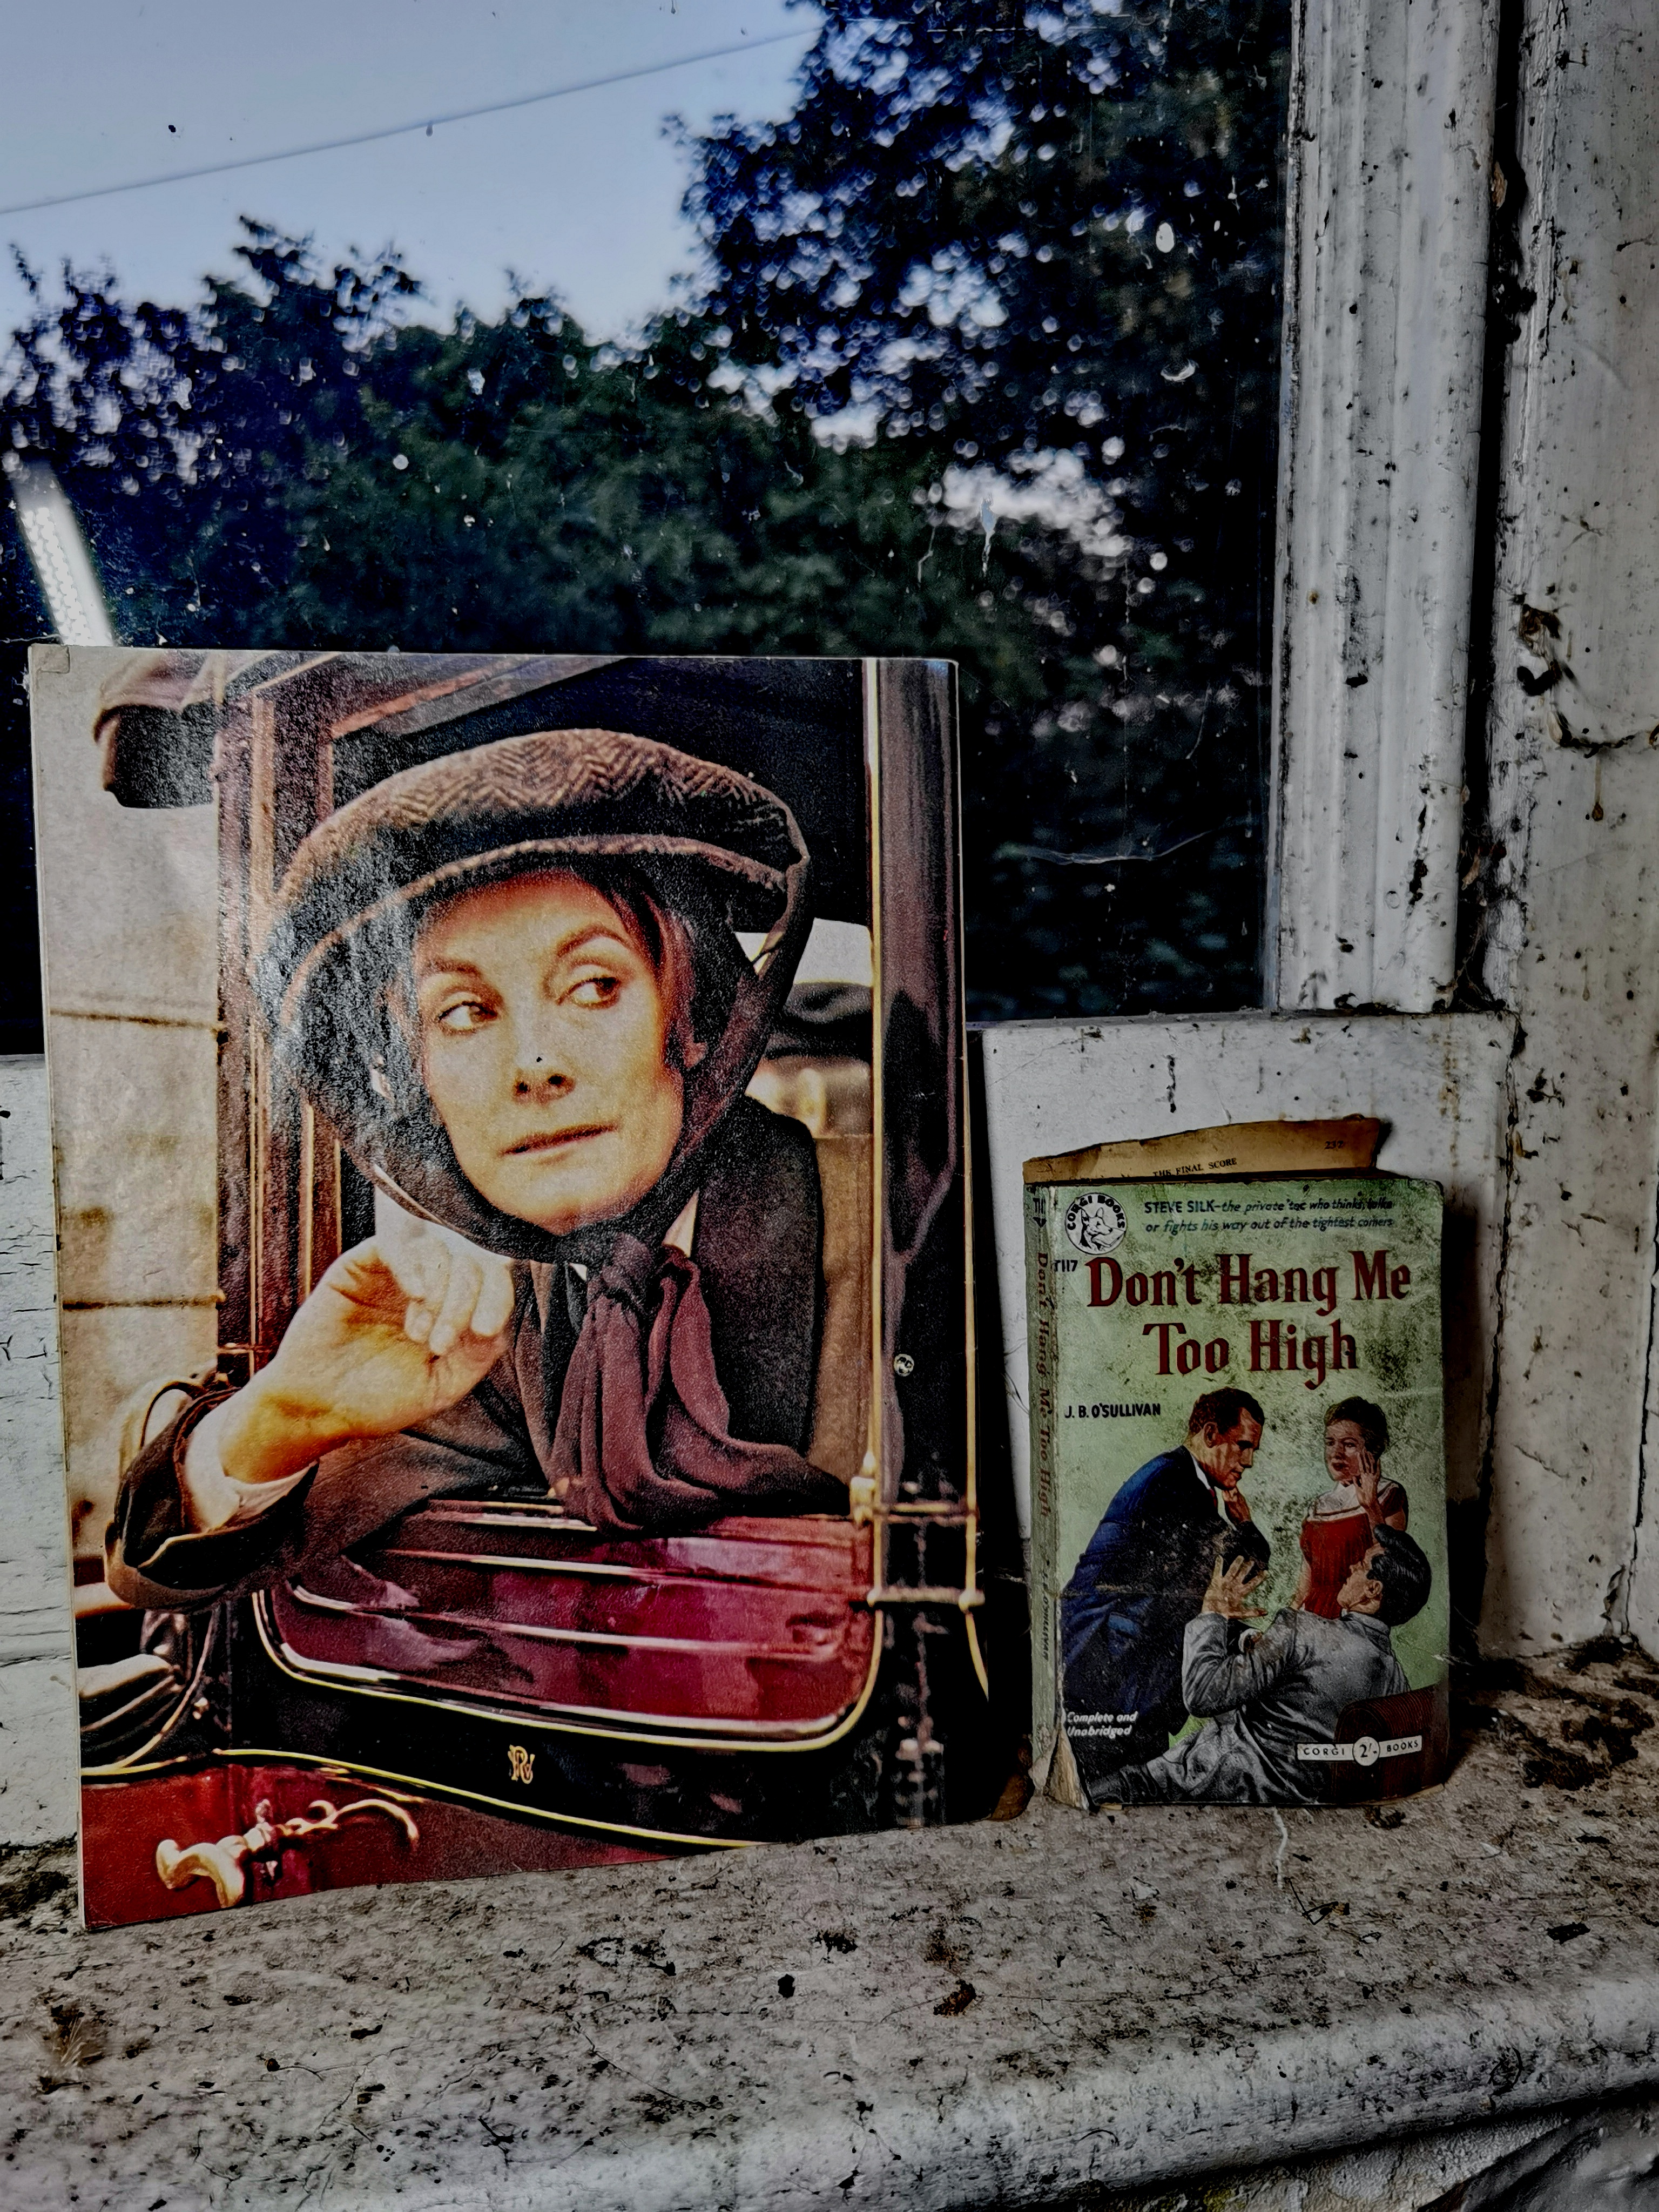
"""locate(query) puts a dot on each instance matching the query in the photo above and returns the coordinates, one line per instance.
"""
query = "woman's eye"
(465, 1015)
(595, 991)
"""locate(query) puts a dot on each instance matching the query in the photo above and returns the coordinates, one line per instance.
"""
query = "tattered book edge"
(1346, 1146)
(1062, 1783)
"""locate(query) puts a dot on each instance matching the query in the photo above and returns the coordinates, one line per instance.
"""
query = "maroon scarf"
(643, 1439)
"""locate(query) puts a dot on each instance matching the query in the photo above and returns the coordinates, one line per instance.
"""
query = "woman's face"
(543, 1032)
(1345, 1447)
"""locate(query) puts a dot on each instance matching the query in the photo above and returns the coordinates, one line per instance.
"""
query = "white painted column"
(1384, 325)
(1573, 941)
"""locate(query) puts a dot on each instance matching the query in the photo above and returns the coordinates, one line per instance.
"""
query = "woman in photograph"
(510, 981)
(1339, 1528)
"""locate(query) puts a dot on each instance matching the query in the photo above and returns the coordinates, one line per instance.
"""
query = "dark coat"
(757, 1246)
(1139, 1583)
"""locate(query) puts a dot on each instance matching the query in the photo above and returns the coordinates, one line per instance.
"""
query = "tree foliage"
(949, 391)
(1044, 246)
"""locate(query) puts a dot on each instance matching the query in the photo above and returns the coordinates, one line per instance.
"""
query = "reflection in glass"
(981, 361)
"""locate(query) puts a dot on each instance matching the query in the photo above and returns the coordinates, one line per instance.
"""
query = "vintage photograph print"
(514, 1277)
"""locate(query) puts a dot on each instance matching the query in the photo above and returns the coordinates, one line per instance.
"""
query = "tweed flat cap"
(502, 807)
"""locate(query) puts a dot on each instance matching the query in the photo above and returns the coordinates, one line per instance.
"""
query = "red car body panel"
(752, 1627)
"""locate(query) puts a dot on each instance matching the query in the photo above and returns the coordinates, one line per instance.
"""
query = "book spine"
(1043, 1306)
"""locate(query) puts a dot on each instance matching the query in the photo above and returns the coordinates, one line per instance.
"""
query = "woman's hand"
(1369, 1483)
(398, 1329)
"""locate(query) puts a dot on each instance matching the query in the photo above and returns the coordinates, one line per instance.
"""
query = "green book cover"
(1239, 1531)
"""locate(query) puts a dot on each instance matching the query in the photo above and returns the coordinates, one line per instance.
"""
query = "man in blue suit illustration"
(1143, 1578)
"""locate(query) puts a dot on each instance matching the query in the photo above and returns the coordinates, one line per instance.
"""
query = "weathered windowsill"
(1005, 2013)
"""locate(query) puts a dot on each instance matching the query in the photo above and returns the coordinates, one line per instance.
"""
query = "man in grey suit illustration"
(1271, 1703)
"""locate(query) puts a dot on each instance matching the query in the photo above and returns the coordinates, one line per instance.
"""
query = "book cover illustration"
(1239, 1548)
(517, 1400)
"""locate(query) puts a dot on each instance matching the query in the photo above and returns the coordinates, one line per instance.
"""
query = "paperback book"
(1239, 1536)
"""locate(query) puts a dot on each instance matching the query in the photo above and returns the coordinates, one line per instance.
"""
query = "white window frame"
(1388, 222)
(1425, 137)
(1395, 177)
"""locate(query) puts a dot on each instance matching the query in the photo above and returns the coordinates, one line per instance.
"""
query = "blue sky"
(580, 194)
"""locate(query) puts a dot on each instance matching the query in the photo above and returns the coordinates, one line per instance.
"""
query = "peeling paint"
(1567, 932)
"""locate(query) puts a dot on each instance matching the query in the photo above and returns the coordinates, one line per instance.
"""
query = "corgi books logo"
(1094, 1222)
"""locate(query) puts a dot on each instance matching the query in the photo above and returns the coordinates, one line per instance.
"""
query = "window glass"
(948, 328)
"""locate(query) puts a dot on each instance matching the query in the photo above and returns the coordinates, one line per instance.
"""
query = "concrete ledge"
(1006, 2014)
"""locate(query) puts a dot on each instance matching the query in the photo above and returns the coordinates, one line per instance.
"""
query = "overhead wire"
(425, 123)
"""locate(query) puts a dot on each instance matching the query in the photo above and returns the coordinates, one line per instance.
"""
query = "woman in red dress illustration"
(1338, 1531)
